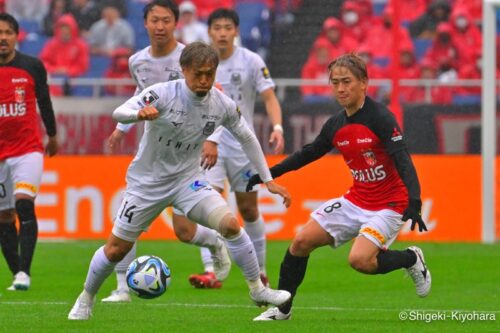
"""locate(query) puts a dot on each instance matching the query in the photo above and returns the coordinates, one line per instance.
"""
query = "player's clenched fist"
(148, 113)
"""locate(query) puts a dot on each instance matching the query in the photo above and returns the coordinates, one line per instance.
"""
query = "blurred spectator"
(374, 71)
(339, 43)
(27, 10)
(57, 9)
(444, 52)
(66, 54)
(474, 8)
(315, 68)
(380, 40)
(464, 32)
(409, 10)
(110, 32)
(433, 94)
(408, 68)
(470, 72)
(118, 69)
(189, 28)
(206, 7)
(425, 26)
(86, 13)
(356, 24)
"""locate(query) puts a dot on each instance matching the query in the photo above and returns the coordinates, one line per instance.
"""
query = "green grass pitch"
(332, 298)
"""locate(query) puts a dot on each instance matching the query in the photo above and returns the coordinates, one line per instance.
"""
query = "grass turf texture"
(332, 298)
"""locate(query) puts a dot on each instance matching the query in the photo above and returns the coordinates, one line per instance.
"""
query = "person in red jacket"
(376, 72)
(118, 69)
(66, 54)
(465, 33)
(355, 20)
(334, 32)
(314, 68)
(410, 10)
(380, 40)
(431, 95)
(444, 52)
(408, 68)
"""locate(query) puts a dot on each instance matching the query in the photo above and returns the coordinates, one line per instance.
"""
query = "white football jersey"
(242, 76)
(147, 70)
(171, 144)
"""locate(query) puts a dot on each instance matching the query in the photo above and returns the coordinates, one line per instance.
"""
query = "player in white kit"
(156, 63)
(166, 171)
(241, 74)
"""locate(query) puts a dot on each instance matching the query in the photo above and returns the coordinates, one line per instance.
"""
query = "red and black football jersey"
(368, 142)
(23, 84)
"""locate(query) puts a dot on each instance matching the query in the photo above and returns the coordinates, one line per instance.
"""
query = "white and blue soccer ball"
(148, 276)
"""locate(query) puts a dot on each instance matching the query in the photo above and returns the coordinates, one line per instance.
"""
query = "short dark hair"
(353, 62)
(197, 54)
(169, 4)
(11, 21)
(224, 13)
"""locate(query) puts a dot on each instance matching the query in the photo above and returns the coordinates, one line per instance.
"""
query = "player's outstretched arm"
(274, 112)
(209, 154)
(115, 139)
(52, 146)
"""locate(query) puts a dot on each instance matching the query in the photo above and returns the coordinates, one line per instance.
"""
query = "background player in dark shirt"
(23, 83)
(384, 194)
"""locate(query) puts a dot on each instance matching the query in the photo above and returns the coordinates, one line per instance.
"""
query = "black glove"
(413, 213)
(254, 180)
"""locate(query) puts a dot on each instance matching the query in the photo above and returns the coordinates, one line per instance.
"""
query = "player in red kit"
(385, 191)
(23, 84)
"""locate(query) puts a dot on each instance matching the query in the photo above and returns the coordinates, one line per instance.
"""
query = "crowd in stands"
(438, 39)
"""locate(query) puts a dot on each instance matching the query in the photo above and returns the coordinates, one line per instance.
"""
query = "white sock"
(99, 269)
(256, 230)
(206, 238)
(243, 253)
(206, 258)
(121, 268)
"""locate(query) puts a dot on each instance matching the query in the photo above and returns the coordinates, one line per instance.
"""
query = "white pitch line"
(236, 306)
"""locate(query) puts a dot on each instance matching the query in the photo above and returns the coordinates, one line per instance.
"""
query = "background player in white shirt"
(156, 63)
(241, 74)
(166, 171)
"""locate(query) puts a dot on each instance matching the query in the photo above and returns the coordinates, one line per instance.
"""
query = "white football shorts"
(344, 221)
(20, 174)
(136, 213)
(236, 168)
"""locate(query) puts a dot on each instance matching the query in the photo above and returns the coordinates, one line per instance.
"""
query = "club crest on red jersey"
(19, 95)
(396, 135)
(369, 157)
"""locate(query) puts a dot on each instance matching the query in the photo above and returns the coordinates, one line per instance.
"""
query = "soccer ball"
(148, 276)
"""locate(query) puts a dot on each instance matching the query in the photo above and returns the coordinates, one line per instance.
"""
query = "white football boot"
(419, 273)
(273, 314)
(22, 281)
(265, 296)
(222, 260)
(82, 310)
(118, 296)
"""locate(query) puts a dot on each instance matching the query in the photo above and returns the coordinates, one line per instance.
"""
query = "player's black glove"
(254, 180)
(413, 213)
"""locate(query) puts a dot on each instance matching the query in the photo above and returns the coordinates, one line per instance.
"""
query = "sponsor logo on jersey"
(19, 95)
(342, 143)
(396, 135)
(210, 117)
(176, 124)
(19, 80)
(209, 128)
(369, 157)
(365, 140)
(236, 79)
(374, 233)
(369, 175)
(12, 110)
(265, 72)
(178, 144)
(149, 97)
(173, 75)
(178, 112)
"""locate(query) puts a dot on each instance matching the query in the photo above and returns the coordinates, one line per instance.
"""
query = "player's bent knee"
(228, 225)
(301, 246)
(185, 231)
(361, 264)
